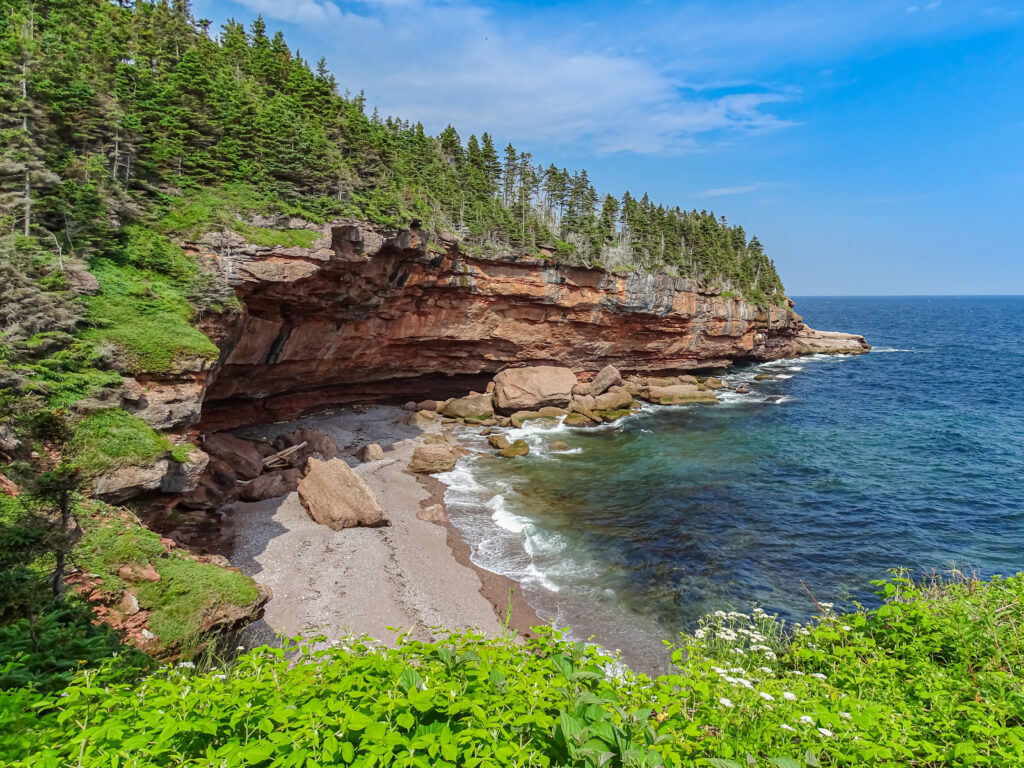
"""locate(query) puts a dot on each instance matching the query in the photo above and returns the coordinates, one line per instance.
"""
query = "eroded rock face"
(372, 316)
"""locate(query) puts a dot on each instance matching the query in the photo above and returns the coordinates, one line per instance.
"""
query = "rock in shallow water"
(518, 448)
(430, 459)
(517, 389)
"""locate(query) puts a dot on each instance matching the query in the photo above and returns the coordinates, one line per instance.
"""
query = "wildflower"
(240, 648)
(847, 627)
(785, 727)
(796, 672)
(725, 702)
(818, 676)
(766, 696)
(766, 670)
(737, 650)
(846, 716)
(806, 719)
(745, 683)
(827, 606)
(219, 677)
(826, 733)
(699, 634)
(186, 665)
(788, 696)
(770, 655)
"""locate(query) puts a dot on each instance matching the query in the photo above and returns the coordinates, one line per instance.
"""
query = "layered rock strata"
(366, 316)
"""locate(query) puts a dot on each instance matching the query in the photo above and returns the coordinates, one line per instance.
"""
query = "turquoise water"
(828, 474)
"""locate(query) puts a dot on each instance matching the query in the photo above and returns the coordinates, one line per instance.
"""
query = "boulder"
(427, 405)
(270, 485)
(613, 399)
(422, 419)
(680, 393)
(244, 455)
(410, 406)
(579, 420)
(337, 497)
(126, 482)
(551, 412)
(498, 441)
(558, 445)
(317, 443)
(633, 387)
(762, 377)
(184, 477)
(435, 513)
(134, 572)
(687, 379)
(518, 448)
(429, 459)
(712, 383)
(517, 389)
(478, 407)
(606, 378)
(371, 452)
(582, 403)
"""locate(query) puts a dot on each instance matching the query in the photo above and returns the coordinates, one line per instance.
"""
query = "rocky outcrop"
(373, 316)
(337, 497)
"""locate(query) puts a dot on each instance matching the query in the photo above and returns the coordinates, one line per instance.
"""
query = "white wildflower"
(847, 627)
(219, 677)
(826, 733)
(796, 672)
(766, 696)
(766, 670)
(806, 719)
(240, 648)
(818, 676)
(720, 614)
(785, 727)
(827, 606)
(737, 650)
(770, 655)
(700, 633)
(846, 716)
(725, 702)
(788, 696)
(745, 683)
(186, 665)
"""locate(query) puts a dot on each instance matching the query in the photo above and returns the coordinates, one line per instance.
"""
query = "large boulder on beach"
(527, 389)
(605, 379)
(422, 419)
(371, 452)
(477, 407)
(612, 400)
(678, 394)
(337, 497)
(430, 459)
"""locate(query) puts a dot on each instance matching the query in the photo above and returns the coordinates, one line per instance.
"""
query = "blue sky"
(875, 147)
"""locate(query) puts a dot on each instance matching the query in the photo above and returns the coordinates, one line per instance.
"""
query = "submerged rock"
(498, 441)
(518, 448)
(559, 445)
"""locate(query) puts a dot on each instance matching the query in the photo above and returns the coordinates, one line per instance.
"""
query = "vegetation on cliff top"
(931, 678)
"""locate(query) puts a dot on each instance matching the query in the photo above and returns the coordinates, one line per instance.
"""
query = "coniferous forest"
(111, 111)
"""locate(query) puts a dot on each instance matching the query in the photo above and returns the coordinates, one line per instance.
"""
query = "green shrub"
(286, 238)
(932, 678)
(147, 316)
(113, 438)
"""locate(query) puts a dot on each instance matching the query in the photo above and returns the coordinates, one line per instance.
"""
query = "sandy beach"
(413, 576)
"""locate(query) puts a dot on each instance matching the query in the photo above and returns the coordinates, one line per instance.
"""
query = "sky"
(874, 146)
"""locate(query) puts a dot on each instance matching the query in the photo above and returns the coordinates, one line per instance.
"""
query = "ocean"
(817, 481)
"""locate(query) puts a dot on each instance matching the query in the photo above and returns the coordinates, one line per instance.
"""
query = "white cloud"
(743, 189)
(653, 78)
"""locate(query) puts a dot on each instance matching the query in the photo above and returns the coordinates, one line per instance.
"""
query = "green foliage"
(187, 589)
(147, 317)
(108, 439)
(931, 678)
(46, 649)
(288, 238)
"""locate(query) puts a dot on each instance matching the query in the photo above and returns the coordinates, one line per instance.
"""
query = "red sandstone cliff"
(365, 316)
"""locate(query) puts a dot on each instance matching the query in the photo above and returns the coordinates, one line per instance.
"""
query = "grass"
(147, 317)
(187, 589)
(285, 238)
(109, 439)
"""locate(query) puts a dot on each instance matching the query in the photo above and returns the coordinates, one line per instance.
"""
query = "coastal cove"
(828, 472)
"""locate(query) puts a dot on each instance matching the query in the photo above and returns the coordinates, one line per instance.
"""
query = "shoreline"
(498, 589)
(414, 574)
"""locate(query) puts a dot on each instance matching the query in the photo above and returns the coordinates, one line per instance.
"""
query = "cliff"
(371, 316)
